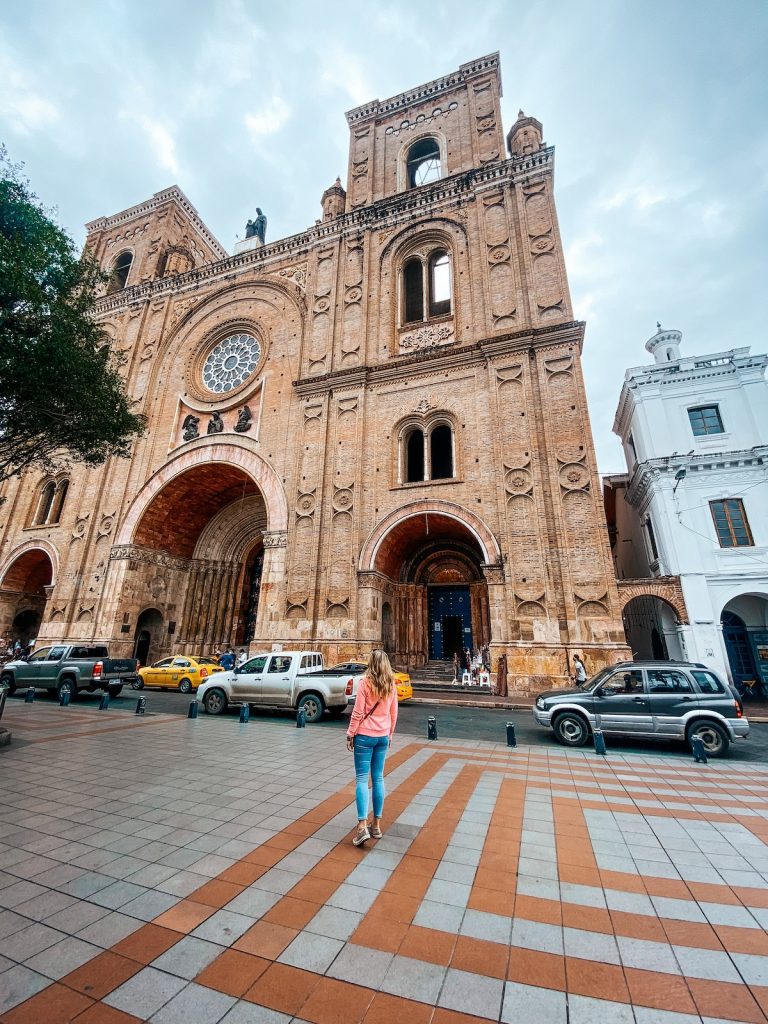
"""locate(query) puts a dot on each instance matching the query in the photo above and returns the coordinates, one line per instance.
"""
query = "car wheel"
(66, 686)
(215, 702)
(137, 683)
(6, 679)
(313, 706)
(115, 691)
(713, 736)
(571, 729)
(185, 686)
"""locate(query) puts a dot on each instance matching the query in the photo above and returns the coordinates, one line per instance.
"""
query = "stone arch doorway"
(149, 638)
(744, 622)
(651, 626)
(428, 563)
(26, 580)
(197, 554)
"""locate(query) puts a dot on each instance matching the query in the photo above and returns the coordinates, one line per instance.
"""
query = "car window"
(180, 663)
(206, 661)
(39, 655)
(164, 663)
(707, 682)
(668, 681)
(280, 663)
(254, 666)
(628, 681)
(56, 654)
(306, 661)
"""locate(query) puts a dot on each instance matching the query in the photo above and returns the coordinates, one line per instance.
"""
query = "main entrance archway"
(195, 550)
(429, 559)
(25, 580)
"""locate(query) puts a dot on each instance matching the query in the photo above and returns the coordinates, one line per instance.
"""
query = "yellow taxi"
(181, 673)
(402, 679)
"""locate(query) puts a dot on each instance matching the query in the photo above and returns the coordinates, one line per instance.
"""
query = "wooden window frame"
(738, 505)
(702, 410)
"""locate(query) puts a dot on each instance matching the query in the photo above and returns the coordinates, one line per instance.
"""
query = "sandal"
(375, 832)
(361, 837)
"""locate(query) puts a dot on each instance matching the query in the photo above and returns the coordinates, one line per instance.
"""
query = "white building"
(694, 505)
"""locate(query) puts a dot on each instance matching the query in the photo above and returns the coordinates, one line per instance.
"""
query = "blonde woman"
(371, 726)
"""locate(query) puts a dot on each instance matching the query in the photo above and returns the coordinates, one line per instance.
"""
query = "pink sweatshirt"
(383, 720)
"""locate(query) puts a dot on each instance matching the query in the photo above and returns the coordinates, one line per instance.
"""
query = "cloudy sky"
(657, 110)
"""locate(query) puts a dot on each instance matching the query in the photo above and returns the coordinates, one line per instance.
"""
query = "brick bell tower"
(474, 383)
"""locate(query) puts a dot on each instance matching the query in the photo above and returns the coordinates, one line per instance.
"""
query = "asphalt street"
(452, 723)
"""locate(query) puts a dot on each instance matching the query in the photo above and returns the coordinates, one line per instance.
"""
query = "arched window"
(426, 287)
(439, 284)
(58, 504)
(414, 457)
(120, 271)
(441, 453)
(423, 163)
(44, 504)
(413, 291)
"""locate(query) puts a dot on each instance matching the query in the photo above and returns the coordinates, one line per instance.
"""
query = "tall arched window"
(423, 163)
(120, 271)
(439, 283)
(441, 452)
(426, 287)
(414, 457)
(427, 452)
(58, 502)
(413, 290)
(44, 504)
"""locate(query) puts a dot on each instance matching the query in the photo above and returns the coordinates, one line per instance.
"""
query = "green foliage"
(61, 396)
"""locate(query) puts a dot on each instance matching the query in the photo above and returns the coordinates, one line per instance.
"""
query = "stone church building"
(373, 432)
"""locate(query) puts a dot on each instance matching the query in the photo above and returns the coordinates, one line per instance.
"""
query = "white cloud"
(21, 106)
(269, 120)
(160, 140)
(641, 197)
(344, 71)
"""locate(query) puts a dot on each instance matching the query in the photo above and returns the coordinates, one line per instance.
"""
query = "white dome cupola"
(664, 346)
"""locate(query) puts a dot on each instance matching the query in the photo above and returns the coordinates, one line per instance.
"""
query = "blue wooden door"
(448, 603)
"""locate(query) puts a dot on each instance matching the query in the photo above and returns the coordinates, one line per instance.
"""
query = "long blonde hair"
(379, 675)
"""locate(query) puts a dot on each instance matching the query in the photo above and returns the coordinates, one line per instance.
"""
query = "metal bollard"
(511, 739)
(245, 713)
(599, 742)
(3, 698)
(64, 699)
(431, 728)
(141, 705)
(301, 718)
(29, 696)
(699, 753)
(193, 709)
(104, 702)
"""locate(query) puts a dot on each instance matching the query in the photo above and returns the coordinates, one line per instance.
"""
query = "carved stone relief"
(547, 280)
(485, 122)
(426, 337)
(501, 277)
(422, 121)
(80, 526)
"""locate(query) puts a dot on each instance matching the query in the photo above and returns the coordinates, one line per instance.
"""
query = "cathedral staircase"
(433, 674)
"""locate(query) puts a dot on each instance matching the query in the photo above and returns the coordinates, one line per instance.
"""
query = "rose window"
(231, 363)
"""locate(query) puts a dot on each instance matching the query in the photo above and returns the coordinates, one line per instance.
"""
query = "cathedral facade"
(371, 433)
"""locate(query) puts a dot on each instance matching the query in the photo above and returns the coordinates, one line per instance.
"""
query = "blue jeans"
(370, 752)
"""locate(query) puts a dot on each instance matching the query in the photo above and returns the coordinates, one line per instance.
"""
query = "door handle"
(685, 698)
(639, 700)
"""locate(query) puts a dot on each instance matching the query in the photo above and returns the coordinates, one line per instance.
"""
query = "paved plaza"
(167, 870)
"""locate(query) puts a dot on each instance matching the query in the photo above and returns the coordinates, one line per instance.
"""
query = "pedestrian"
(371, 726)
(227, 660)
(456, 667)
(242, 657)
(501, 676)
(579, 672)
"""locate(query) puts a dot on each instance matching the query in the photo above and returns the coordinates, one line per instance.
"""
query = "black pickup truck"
(68, 668)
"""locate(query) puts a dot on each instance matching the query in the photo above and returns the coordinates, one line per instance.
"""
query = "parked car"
(282, 679)
(402, 679)
(183, 673)
(68, 668)
(662, 699)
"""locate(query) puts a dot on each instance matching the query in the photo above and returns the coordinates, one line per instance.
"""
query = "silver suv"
(665, 699)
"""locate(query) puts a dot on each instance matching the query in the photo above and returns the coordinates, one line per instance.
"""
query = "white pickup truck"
(282, 679)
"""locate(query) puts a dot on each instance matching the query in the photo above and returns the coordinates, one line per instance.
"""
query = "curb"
(439, 701)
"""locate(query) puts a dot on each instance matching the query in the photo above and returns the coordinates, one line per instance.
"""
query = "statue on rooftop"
(257, 228)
